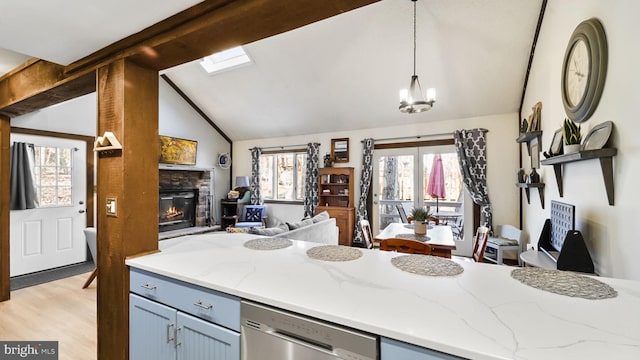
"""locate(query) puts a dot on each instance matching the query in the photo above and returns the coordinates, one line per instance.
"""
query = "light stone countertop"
(481, 314)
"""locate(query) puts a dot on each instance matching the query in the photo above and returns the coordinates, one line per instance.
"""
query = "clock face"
(577, 73)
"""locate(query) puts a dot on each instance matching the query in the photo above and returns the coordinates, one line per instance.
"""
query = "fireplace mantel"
(183, 168)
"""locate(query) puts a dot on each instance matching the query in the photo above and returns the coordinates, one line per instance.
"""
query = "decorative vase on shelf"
(534, 176)
(420, 228)
(571, 148)
(521, 177)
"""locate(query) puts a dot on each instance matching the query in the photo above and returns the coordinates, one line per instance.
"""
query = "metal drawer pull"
(148, 286)
(201, 305)
(169, 338)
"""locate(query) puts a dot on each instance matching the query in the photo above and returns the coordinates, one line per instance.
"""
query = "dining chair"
(402, 213)
(367, 235)
(405, 246)
(480, 244)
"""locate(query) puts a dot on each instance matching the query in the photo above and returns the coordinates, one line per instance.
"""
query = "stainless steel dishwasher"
(272, 334)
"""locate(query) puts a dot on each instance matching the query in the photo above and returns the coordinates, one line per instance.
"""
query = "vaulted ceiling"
(341, 73)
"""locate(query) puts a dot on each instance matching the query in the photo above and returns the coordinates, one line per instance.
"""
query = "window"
(282, 175)
(53, 167)
(225, 60)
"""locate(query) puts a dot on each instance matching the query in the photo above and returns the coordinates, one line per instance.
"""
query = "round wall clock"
(584, 70)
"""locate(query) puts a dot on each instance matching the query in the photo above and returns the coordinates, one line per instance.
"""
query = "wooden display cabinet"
(335, 195)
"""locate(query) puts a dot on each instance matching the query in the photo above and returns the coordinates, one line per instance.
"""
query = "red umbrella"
(435, 188)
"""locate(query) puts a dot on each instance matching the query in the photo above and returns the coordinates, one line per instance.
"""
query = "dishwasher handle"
(302, 341)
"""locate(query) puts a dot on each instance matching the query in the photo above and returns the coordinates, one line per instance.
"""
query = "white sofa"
(323, 232)
(319, 229)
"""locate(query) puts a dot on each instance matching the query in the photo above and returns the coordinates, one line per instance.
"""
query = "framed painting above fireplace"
(177, 151)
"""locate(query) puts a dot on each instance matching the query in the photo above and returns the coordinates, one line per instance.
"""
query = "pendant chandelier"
(412, 100)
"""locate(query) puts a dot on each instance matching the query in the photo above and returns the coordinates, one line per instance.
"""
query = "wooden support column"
(127, 107)
(5, 200)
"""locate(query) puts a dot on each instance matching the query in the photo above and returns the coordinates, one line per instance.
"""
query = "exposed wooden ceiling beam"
(38, 84)
(203, 29)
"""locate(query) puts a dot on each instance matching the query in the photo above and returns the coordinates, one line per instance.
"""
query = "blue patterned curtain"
(256, 195)
(365, 184)
(471, 146)
(23, 185)
(311, 179)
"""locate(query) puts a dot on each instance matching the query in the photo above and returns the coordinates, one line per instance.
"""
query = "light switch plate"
(112, 206)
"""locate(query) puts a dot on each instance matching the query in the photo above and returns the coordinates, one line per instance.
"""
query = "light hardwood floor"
(56, 311)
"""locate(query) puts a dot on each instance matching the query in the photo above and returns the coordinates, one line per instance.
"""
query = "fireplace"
(177, 209)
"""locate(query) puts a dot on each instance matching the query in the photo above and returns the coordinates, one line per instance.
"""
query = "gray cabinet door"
(395, 350)
(151, 330)
(202, 340)
(158, 332)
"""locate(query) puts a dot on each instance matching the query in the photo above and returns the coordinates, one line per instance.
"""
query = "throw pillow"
(237, 230)
(271, 231)
(299, 224)
(320, 217)
(254, 214)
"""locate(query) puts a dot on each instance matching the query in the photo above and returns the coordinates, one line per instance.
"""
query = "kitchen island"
(482, 313)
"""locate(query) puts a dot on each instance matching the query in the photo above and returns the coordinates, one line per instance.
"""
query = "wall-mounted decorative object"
(524, 126)
(340, 150)
(535, 117)
(534, 177)
(556, 145)
(224, 160)
(598, 136)
(535, 153)
(177, 151)
(584, 70)
(107, 142)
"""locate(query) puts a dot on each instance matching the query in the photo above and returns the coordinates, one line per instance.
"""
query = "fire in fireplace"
(177, 209)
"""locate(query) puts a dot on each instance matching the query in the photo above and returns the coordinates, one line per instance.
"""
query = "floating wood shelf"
(527, 137)
(606, 163)
(526, 188)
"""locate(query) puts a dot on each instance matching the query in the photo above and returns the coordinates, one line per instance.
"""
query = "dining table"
(438, 237)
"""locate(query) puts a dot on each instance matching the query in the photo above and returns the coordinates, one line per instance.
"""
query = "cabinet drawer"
(204, 303)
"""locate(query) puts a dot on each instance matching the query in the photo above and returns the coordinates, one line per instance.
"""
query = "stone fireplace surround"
(185, 178)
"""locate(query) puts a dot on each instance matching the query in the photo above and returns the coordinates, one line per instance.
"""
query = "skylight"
(225, 60)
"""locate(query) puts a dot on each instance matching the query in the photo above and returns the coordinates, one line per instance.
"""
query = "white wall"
(609, 231)
(502, 152)
(176, 118)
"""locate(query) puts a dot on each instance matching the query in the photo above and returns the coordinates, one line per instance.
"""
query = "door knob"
(80, 211)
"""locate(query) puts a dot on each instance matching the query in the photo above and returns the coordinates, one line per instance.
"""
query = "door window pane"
(53, 169)
(396, 186)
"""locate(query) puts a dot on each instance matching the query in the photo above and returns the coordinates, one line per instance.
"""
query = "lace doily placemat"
(427, 265)
(564, 283)
(422, 238)
(268, 243)
(334, 253)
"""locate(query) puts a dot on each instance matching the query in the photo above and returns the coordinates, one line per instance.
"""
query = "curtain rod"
(282, 147)
(412, 137)
(419, 136)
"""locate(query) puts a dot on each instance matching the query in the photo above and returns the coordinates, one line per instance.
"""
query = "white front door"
(51, 235)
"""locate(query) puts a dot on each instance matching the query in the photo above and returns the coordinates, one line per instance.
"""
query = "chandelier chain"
(414, 36)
